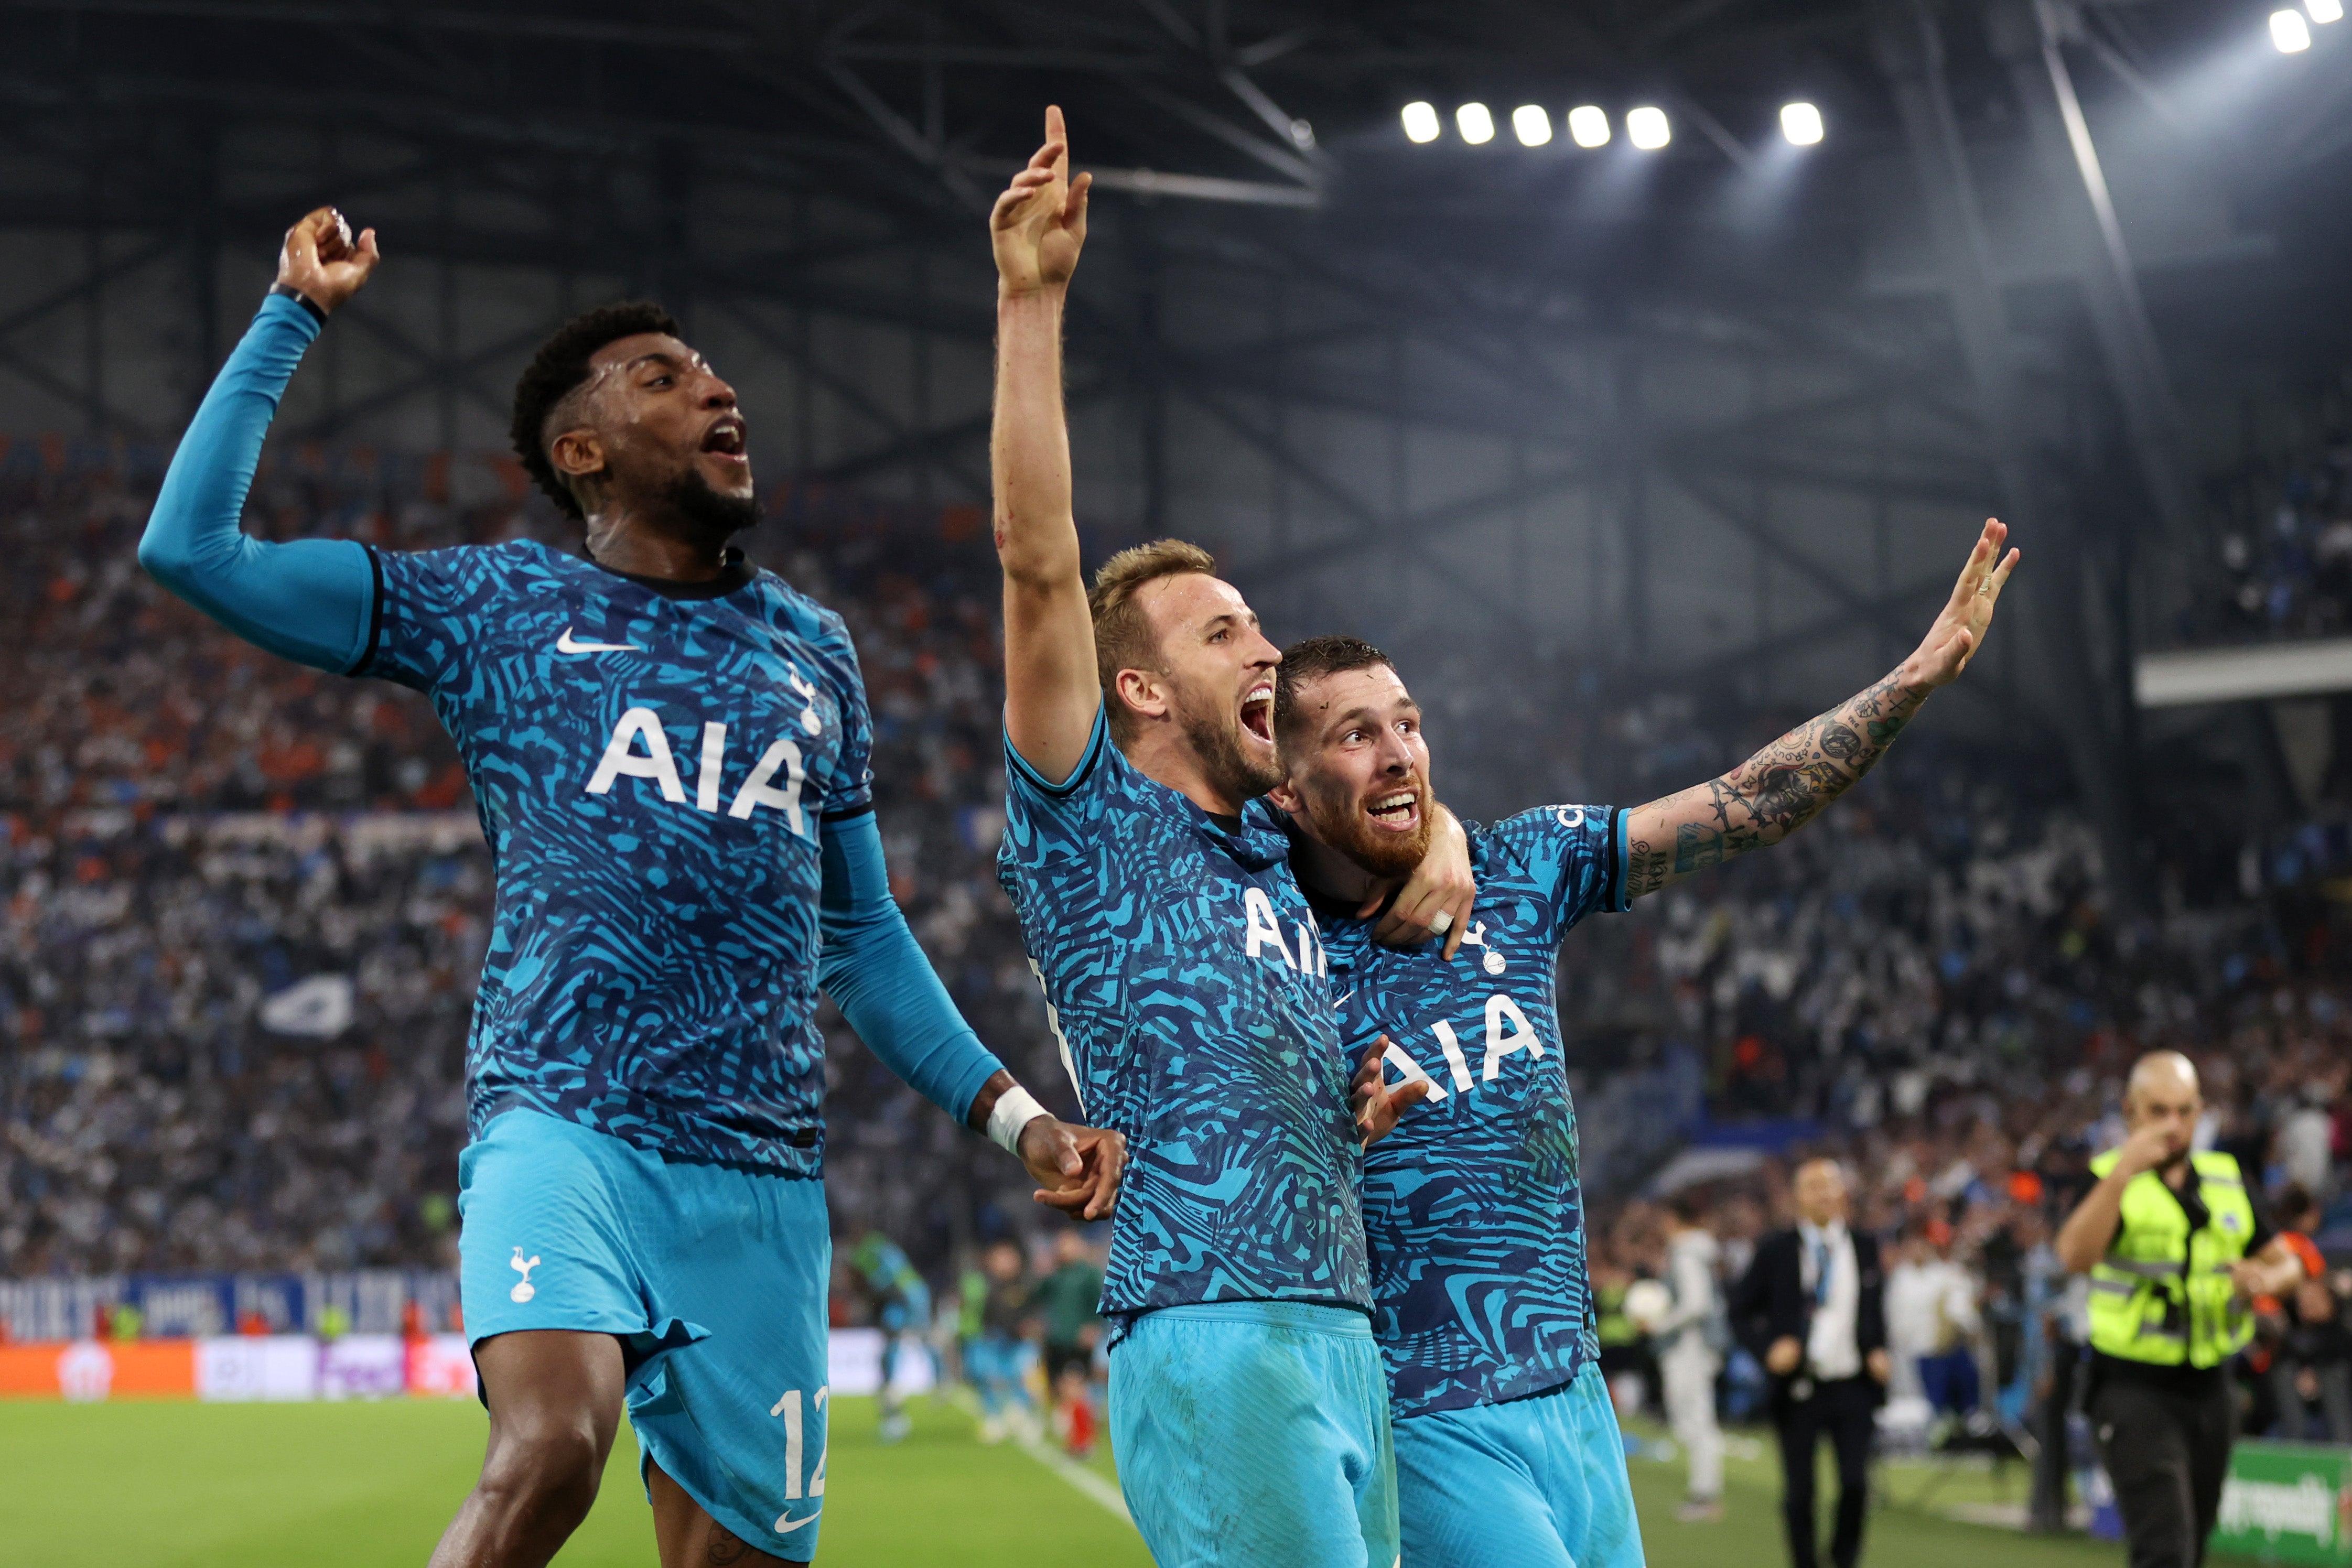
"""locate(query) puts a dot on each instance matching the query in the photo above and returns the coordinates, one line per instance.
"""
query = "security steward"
(2176, 1253)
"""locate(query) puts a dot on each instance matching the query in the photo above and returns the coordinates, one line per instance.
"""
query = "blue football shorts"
(714, 1280)
(1530, 1483)
(1255, 1435)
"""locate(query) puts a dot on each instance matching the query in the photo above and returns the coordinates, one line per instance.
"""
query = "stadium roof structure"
(1712, 409)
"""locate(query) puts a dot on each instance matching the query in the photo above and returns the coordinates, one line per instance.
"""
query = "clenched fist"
(322, 260)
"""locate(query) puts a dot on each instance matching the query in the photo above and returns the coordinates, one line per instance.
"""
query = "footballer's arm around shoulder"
(1051, 690)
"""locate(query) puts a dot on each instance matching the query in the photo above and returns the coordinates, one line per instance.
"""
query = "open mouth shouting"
(1395, 811)
(1258, 712)
(725, 440)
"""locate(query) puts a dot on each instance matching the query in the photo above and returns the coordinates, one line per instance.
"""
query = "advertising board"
(2287, 1502)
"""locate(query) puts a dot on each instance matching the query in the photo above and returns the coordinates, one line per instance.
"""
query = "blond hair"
(1124, 638)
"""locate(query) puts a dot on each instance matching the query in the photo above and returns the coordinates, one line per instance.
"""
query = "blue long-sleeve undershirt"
(311, 601)
(878, 975)
(306, 599)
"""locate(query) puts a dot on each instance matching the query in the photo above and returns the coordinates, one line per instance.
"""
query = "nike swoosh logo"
(564, 644)
(786, 1523)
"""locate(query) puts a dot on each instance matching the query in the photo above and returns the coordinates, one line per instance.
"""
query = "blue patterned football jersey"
(651, 772)
(1187, 990)
(1471, 1208)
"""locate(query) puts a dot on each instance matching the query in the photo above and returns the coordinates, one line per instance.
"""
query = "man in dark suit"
(1813, 1306)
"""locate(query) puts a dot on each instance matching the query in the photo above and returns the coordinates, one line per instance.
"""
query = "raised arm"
(1784, 786)
(309, 600)
(1052, 693)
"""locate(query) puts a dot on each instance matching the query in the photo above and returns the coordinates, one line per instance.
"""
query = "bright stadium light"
(1421, 123)
(1532, 123)
(1476, 123)
(1647, 128)
(2324, 10)
(1588, 125)
(2290, 32)
(1801, 124)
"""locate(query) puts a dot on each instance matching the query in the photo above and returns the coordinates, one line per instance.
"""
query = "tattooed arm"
(1784, 786)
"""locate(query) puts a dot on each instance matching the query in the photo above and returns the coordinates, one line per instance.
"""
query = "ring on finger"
(1441, 923)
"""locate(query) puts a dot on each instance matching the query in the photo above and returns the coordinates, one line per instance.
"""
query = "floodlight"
(2324, 10)
(2290, 32)
(1533, 123)
(1421, 123)
(1647, 128)
(1589, 124)
(1801, 124)
(1476, 121)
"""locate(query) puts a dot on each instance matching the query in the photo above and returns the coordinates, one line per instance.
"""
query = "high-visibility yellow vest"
(2162, 1294)
(1611, 1326)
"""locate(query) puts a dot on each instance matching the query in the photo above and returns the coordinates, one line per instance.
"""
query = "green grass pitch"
(261, 1486)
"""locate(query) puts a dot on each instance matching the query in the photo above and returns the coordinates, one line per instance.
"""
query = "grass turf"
(259, 1485)
(358, 1485)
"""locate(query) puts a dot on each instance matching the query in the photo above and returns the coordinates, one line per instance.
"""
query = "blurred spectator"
(1690, 1342)
(901, 1305)
(1931, 1325)
(998, 1360)
(1067, 1300)
(2311, 1369)
(2284, 549)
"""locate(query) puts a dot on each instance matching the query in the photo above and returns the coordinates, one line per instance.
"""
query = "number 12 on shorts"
(795, 1445)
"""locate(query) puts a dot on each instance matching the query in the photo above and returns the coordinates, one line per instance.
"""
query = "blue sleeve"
(1578, 854)
(308, 599)
(878, 975)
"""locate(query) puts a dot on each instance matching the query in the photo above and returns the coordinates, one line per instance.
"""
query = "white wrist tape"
(1014, 1109)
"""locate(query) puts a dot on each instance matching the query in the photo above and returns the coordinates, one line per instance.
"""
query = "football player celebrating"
(1507, 1458)
(668, 749)
(1248, 1406)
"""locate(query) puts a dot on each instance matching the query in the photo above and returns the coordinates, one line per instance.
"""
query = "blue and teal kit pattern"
(673, 780)
(1187, 989)
(1536, 1483)
(1472, 1210)
(651, 773)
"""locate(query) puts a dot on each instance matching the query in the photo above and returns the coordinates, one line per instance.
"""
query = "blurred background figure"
(1000, 1358)
(1932, 1322)
(2311, 1369)
(1067, 1298)
(1690, 1340)
(1813, 1306)
(2177, 1250)
(900, 1304)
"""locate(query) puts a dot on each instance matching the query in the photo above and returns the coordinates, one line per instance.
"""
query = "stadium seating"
(245, 905)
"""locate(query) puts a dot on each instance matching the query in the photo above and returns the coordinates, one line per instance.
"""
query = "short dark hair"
(1313, 659)
(557, 370)
(1124, 639)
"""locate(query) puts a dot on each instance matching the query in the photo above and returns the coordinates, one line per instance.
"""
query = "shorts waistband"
(1314, 1317)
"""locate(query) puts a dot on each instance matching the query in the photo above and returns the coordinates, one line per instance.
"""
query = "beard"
(1338, 822)
(701, 515)
(1216, 736)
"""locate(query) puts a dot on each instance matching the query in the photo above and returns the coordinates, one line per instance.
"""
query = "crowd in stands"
(245, 903)
(2285, 571)
(244, 906)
